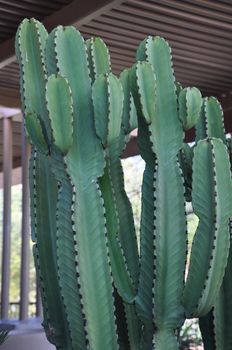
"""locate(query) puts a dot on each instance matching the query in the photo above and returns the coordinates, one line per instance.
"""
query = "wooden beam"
(78, 12)
(9, 97)
(226, 101)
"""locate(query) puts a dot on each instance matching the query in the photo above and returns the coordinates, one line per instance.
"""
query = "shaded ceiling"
(199, 32)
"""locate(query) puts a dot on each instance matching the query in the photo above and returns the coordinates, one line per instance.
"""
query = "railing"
(24, 305)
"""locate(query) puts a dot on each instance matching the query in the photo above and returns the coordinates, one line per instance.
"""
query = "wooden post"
(25, 235)
(7, 174)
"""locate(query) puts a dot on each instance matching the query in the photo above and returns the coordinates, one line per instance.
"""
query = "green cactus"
(97, 292)
(216, 326)
(121, 231)
(150, 82)
(169, 225)
(30, 43)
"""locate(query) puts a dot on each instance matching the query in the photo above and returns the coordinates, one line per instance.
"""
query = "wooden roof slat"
(125, 34)
(202, 32)
(194, 71)
(23, 6)
(202, 77)
(198, 12)
(181, 41)
(203, 22)
(78, 11)
(187, 65)
(179, 54)
(44, 3)
(219, 6)
(165, 29)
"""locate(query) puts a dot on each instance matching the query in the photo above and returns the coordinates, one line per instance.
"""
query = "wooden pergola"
(199, 32)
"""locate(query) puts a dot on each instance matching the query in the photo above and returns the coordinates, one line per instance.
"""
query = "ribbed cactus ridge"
(216, 325)
(190, 102)
(93, 260)
(98, 57)
(111, 182)
(66, 242)
(214, 119)
(35, 132)
(120, 227)
(30, 43)
(168, 230)
(221, 312)
(60, 109)
(212, 203)
(108, 103)
(129, 116)
(96, 292)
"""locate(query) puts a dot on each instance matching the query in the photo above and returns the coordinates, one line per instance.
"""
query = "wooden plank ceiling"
(199, 32)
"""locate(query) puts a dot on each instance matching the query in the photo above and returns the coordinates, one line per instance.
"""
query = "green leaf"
(35, 132)
(60, 108)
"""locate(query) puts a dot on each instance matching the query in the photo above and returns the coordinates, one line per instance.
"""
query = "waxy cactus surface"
(99, 291)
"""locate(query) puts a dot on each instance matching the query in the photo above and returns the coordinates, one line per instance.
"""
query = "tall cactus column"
(85, 163)
(216, 325)
(168, 233)
(164, 291)
(30, 43)
(113, 133)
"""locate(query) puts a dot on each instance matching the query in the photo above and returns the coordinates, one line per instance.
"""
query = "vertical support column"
(7, 174)
(25, 235)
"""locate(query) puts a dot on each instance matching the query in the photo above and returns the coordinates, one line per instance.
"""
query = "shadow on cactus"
(98, 291)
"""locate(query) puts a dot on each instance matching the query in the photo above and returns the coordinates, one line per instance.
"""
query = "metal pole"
(25, 249)
(7, 173)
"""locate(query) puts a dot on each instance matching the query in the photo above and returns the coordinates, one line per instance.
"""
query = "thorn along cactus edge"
(98, 291)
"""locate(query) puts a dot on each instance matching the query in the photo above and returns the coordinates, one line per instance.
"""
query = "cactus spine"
(78, 116)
